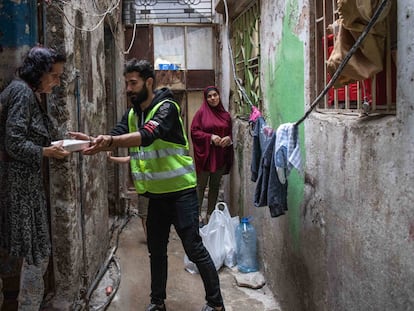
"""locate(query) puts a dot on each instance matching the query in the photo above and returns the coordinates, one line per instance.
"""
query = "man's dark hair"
(143, 67)
(38, 61)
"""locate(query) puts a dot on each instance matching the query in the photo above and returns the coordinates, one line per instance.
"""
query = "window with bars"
(375, 94)
(167, 11)
(246, 55)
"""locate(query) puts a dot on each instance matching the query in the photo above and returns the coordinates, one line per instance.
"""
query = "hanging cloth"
(287, 151)
(262, 134)
(269, 190)
(254, 114)
(367, 61)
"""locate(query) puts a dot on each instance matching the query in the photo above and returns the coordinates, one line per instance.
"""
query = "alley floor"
(185, 291)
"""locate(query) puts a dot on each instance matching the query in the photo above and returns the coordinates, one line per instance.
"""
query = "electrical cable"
(84, 303)
(107, 11)
(132, 39)
(107, 302)
(103, 15)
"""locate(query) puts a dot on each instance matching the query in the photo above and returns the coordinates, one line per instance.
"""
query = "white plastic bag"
(229, 235)
(219, 238)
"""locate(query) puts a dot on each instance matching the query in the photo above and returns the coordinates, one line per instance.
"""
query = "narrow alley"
(130, 280)
(185, 291)
(321, 102)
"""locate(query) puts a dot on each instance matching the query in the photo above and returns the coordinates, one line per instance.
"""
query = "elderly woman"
(25, 140)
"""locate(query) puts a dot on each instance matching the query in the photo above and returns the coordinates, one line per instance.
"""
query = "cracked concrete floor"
(185, 291)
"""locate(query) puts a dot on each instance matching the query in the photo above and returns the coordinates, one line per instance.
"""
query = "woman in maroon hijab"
(211, 133)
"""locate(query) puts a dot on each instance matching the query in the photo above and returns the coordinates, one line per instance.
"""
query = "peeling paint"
(285, 98)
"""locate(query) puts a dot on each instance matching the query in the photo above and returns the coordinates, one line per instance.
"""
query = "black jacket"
(164, 125)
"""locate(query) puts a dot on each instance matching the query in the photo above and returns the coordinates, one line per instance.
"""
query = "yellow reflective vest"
(163, 166)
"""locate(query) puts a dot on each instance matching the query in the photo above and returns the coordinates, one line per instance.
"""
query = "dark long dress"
(24, 130)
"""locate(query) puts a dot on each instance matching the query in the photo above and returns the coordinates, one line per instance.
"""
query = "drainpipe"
(81, 214)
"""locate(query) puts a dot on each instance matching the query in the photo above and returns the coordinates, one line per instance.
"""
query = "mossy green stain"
(285, 95)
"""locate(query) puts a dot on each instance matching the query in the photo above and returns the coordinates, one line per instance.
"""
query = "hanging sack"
(368, 58)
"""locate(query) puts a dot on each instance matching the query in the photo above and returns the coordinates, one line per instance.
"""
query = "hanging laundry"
(269, 190)
(261, 137)
(254, 114)
(287, 151)
(368, 59)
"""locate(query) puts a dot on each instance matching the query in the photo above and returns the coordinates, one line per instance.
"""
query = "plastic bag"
(229, 238)
(219, 238)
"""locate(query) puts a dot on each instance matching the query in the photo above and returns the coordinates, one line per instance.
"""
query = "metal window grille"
(167, 11)
(375, 95)
(246, 55)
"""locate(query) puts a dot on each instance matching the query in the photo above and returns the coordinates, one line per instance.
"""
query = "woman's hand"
(215, 139)
(55, 151)
(225, 142)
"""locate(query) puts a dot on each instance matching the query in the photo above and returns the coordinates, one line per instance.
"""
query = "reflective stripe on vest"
(163, 175)
(157, 153)
(163, 166)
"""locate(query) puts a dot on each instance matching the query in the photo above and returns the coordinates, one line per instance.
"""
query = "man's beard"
(138, 98)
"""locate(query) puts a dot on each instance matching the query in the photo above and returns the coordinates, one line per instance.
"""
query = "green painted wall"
(284, 93)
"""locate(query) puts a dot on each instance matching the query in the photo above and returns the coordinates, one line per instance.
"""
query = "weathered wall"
(18, 32)
(347, 240)
(79, 188)
(361, 206)
(283, 36)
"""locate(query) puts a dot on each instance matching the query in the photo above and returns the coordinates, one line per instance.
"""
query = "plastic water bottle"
(246, 247)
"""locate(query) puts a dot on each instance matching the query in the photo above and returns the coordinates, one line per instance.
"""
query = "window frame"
(245, 41)
(187, 44)
(352, 98)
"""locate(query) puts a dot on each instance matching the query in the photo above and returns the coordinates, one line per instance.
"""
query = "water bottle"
(246, 247)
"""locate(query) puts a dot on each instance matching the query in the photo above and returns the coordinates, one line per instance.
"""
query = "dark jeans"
(181, 210)
(213, 180)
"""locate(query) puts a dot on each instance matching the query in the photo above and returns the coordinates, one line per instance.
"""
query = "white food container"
(73, 144)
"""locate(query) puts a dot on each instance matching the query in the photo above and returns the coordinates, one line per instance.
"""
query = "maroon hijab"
(206, 122)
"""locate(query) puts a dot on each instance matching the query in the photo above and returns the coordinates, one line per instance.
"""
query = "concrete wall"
(79, 187)
(347, 240)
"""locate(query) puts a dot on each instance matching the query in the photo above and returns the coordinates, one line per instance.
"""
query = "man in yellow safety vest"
(164, 172)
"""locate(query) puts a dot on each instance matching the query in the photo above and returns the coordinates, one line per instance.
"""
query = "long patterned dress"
(24, 131)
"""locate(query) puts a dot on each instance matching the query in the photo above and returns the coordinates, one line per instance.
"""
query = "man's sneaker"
(154, 307)
(208, 308)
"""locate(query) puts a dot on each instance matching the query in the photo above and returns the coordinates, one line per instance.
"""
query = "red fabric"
(206, 122)
(365, 85)
(352, 87)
